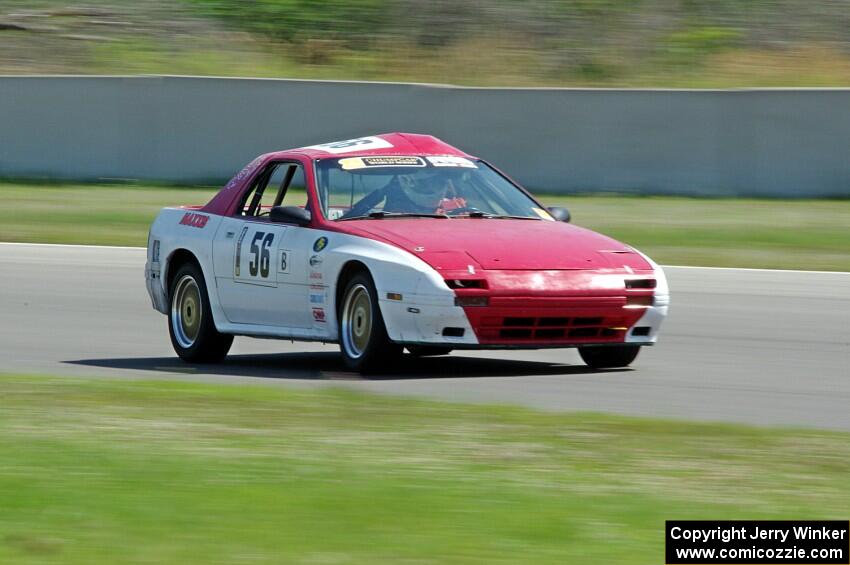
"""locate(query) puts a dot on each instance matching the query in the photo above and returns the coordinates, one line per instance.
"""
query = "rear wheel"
(428, 350)
(363, 338)
(190, 323)
(609, 357)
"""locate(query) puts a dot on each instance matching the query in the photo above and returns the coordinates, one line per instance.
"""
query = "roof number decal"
(350, 145)
(354, 163)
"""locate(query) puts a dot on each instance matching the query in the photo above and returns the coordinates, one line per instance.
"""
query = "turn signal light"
(641, 283)
(464, 301)
(638, 301)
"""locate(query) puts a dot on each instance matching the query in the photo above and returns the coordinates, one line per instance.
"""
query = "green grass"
(785, 234)
(778, 234)
(99, 471)
(88, 214)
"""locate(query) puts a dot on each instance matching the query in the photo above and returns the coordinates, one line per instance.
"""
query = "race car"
(395, 241)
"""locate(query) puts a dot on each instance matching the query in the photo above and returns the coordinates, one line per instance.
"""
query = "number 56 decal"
(257, 255)
(260, 254)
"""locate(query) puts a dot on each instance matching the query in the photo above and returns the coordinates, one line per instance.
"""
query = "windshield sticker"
(450, 161)
(350, 145)
(354, 163)
(543, 214)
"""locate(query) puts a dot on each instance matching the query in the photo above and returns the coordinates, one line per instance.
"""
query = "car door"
(256, 270)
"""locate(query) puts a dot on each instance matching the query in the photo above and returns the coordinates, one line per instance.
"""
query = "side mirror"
(559, 213)
(289, 215)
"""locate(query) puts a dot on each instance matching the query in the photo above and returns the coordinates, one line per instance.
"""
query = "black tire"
(428, 350)
(609, 357)
(363, 338)
(192, 330)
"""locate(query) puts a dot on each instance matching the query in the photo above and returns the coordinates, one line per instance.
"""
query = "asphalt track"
(760, 347)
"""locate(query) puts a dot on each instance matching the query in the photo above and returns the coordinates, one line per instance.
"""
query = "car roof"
(395, 143)
(381, 144)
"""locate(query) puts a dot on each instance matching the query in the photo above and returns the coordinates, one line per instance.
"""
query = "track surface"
(762, 347)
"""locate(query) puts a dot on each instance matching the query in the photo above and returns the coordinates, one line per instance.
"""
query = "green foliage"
(695, 43)
(288, 20)
(609, 43)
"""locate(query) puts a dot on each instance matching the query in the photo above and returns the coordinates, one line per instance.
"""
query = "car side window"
(296, 191)
(280, 184)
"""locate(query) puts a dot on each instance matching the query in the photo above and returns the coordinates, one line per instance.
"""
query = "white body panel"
(254, 276)
(300, 301)
(656, 313)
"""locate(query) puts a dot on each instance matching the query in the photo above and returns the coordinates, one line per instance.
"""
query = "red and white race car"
(395, 241)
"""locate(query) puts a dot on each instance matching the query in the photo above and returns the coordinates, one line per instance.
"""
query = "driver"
(427, 195)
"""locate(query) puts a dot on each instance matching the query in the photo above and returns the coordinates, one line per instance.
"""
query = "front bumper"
(533, 310)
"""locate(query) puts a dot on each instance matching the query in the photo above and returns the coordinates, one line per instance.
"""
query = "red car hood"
(501, 244)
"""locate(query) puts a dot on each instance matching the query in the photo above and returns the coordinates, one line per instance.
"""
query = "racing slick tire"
(363, 338)
(428, 350)
(190, 323)
(609, 357)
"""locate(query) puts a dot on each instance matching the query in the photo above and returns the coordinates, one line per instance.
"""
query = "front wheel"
(190, 324)
(363, 338)
(609, 357)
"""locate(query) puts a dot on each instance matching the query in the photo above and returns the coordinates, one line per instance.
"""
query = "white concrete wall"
(784, 142)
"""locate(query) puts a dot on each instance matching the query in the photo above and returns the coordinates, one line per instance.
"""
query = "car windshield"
(443, 186)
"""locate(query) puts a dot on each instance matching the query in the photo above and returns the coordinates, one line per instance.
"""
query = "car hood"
(503, 244)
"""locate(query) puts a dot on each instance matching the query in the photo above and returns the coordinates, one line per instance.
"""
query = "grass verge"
(783, 234)
(99, 471)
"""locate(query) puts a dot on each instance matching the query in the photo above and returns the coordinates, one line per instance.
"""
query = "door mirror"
(559, 213)
(289, 215)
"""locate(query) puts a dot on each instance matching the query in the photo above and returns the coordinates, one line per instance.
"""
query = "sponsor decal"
(354, 163)
(315, 261)
(452, 161)
(320, 244)
(194, 220)
(319, 315)
(247, 170)
(349, 145)
(317, 294)
(315, 276)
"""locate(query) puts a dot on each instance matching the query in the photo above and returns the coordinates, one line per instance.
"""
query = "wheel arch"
(348, 270)
(176, 259)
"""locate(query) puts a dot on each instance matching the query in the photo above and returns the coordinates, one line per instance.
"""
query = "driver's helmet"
(424, 191)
